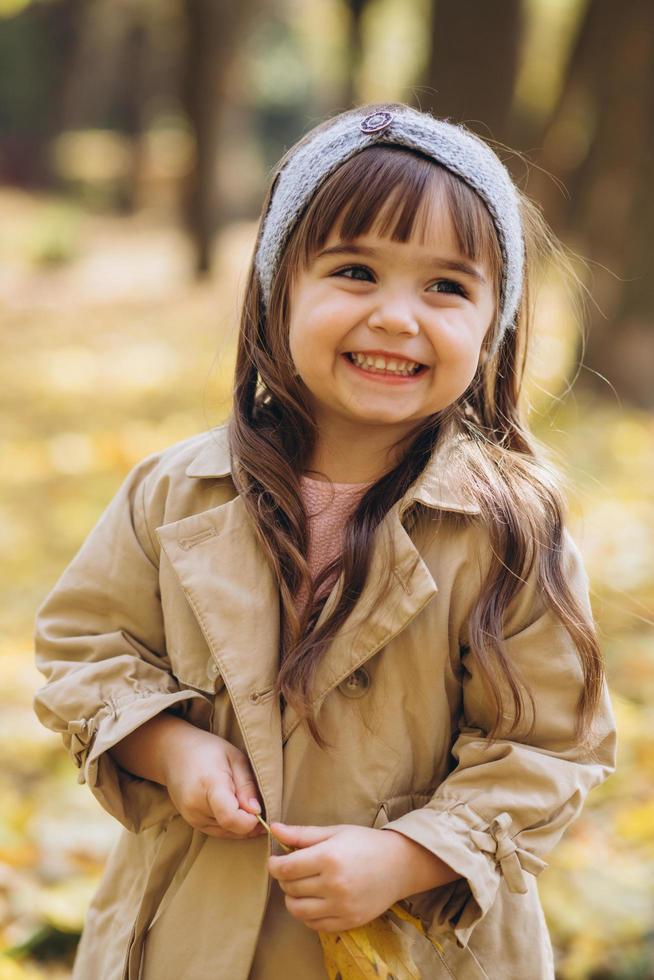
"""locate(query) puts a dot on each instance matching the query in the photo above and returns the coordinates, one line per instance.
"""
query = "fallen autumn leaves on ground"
(378, 950)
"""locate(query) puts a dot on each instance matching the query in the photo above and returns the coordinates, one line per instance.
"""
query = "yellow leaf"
(346, 960)
(402, 913)
(393, 947)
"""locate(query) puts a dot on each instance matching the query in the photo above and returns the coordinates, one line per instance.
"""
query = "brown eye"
(458, 288)
(353, 268)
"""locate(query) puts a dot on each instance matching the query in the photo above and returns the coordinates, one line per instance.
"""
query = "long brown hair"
(273, 433)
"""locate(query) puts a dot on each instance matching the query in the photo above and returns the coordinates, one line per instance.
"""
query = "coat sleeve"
(504, 807)
(100, 643)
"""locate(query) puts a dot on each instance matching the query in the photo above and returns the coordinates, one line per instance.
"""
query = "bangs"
(384, 187)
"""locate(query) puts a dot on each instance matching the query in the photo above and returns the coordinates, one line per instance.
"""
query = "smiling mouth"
(406, 374)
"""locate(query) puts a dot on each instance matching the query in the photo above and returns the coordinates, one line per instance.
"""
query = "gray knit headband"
(313, 158)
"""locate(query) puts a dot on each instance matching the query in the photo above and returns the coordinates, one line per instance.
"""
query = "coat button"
(213, 671)
(356, 685)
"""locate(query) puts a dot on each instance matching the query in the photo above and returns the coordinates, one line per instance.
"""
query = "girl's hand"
(211, 784)
(342, 876)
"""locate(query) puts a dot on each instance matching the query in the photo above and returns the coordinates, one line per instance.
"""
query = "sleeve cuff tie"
(511, 858)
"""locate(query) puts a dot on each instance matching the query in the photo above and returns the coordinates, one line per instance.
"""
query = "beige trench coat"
(170, 604)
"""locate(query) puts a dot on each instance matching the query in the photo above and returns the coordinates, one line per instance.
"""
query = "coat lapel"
(231, 589)
(368, 629)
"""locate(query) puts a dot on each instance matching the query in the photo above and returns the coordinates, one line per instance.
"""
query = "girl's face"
(419, 302)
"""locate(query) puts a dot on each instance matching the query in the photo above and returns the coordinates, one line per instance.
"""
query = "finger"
(301, 836)
(303, 887)
(213, 830)
(223, 806)
(258, 831)
(300, 864)
(247, 792)
(306, 908)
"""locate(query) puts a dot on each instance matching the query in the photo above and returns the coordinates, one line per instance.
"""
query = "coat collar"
(441, 485)
(232, 592)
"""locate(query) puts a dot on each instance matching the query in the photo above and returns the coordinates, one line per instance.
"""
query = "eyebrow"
(454, 265)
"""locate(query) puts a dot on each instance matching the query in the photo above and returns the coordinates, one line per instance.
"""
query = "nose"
(394, 315)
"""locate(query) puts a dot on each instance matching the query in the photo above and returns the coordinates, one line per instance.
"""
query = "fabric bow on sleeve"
(511, 858)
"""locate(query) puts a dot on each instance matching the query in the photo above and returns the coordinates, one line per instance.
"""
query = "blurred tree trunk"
(354, 48)
(38, 52)
(472, 68)
(600, 141)
(213, 35)
(132, 107)
(65, 35)
(117, 98)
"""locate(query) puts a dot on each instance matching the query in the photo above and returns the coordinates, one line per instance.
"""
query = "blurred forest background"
(136, 139)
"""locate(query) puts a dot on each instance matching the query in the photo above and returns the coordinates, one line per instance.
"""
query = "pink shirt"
(328, 506)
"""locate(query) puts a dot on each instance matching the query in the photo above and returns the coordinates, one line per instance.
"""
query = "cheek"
(309, 355)
(457, 356)
(457, 343)
(299, 334)
(316, 332)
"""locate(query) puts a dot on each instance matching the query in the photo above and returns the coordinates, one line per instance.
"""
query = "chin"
(375, 418)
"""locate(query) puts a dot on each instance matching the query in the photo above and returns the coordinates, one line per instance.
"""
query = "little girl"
(354, 608)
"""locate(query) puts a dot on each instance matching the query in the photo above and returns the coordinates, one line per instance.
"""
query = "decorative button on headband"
(328, 145)
(375, 122)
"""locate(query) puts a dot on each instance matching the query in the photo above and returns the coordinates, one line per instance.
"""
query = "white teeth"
(379, 363)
